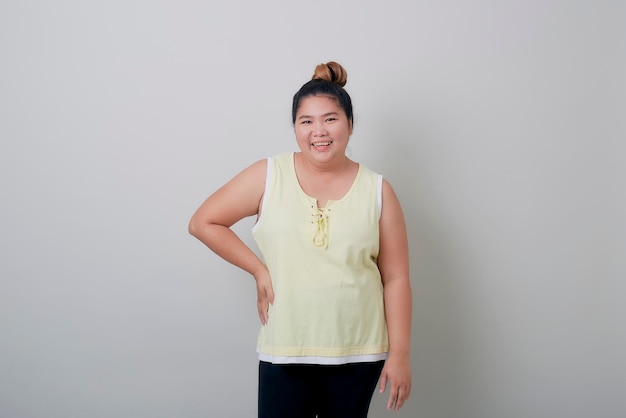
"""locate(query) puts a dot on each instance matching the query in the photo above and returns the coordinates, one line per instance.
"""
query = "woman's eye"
(305, 122)
(331, 119)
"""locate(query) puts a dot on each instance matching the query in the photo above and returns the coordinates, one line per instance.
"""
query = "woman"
(334, 297)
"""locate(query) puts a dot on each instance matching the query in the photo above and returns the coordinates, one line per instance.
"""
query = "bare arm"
(237, 199)
(393, 262)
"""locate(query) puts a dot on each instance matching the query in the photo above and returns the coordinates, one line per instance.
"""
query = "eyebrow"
(324, 115)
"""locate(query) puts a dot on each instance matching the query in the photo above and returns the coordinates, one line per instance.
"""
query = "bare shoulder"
(247, 186)
(391, 204)
(255, 173)
(238, 198)
(393, 254)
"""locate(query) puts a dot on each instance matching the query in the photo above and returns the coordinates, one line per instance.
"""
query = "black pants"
(308, 390)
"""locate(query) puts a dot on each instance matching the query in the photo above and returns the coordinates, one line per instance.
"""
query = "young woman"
(334, 297)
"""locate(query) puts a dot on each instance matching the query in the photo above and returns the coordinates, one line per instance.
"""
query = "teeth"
(322, 144)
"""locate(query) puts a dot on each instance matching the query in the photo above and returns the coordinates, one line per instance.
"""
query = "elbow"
(194, 227)
(200, 228)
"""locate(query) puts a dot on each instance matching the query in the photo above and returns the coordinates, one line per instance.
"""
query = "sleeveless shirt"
(328, 304)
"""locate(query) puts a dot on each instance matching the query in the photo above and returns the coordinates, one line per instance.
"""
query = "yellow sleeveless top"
(328, 291)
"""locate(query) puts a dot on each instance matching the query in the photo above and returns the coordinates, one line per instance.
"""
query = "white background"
(499, 123)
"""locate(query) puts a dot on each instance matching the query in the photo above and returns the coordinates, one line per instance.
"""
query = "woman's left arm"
(393, 263)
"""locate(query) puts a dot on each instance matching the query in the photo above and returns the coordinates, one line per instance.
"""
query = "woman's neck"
(334, 167)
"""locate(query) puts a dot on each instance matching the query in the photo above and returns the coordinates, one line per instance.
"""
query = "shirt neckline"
(330, 202)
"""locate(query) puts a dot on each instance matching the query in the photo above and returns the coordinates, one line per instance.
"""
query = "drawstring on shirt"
(320, 239)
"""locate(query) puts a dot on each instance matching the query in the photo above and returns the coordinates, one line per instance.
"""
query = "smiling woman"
(334, 297)
(322, 132)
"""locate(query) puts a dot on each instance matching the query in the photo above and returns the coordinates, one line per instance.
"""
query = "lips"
(322, 144)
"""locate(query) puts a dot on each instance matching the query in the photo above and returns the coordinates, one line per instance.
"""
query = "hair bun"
(331, 71)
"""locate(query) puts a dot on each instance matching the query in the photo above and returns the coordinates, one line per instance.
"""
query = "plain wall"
(500, 125)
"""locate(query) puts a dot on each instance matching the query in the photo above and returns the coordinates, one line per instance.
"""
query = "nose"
(319, 129)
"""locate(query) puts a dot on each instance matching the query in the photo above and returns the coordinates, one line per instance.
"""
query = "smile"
(322, 144)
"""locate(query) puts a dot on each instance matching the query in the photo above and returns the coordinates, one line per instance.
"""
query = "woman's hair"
(328, 80)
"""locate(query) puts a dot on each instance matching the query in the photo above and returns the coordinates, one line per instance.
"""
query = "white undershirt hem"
(365, 358)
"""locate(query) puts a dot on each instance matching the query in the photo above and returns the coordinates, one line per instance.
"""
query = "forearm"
(398, 307)
(225, 243)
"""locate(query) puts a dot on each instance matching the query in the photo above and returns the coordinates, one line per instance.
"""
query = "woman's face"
(322, 128)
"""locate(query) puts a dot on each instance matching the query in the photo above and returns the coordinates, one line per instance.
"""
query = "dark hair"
(328, 80)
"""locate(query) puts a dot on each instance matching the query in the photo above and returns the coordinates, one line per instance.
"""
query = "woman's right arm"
(237, 199)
